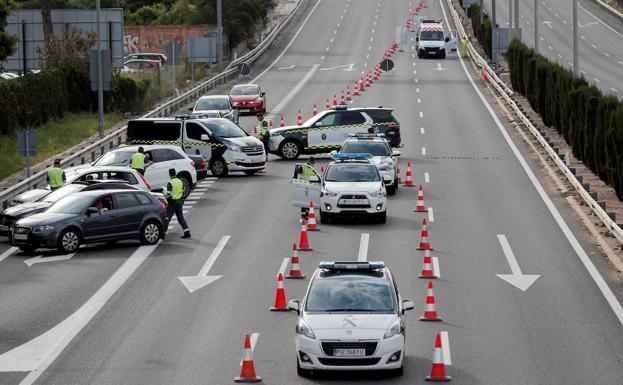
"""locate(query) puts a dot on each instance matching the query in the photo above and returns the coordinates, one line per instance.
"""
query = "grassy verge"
(54, 137)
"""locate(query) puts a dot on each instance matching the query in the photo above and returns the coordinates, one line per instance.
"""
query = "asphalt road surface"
(600, 37)
(122, 316)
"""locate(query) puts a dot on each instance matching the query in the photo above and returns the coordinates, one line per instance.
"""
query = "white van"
(226, 146)
(433, 41)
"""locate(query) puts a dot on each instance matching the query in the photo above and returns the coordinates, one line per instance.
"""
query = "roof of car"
(214, 97)
(90, 182)
(246, 85)
(146, 147)
(102, 192)
(89, 169)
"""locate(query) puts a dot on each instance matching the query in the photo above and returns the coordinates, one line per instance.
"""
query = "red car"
(248, 98)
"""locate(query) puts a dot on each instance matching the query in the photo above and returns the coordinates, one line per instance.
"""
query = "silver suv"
(216, 103)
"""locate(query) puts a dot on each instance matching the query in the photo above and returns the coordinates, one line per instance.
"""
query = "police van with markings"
(226, 146)
(328, 129)
(431, 40)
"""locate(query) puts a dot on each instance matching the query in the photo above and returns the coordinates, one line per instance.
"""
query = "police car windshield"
(356, 292)
(62, 192)
(431, 35)
(374, 148)
(225, 128)
(115, 158)
(71, 205)
(245, 90)
(352, 172)
(212, 104)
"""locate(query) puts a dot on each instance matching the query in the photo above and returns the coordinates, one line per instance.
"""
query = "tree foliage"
(7, 42)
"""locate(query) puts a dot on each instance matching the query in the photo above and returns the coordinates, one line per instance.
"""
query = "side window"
(159, 156)
(381, 116)
(128, 177)
(351, 117)
(173, 155)
(194, 131)
(329, 120)
(126, 200)
(144, 199)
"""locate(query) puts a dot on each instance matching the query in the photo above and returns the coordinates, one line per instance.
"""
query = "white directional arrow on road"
(517, 279)
(287, 68)
(196, 282)
(349, 67)
(439, 67)
(587, 24)
(40, 259)
(549, 24)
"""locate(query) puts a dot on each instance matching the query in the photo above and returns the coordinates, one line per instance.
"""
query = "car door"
(100, 225)
(129, 213)
(157, 173)
(452, 45)
(304, 191)
(352, 122)
(325, 134)
(197, 138)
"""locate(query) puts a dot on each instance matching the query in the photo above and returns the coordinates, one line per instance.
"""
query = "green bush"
(482, 28)
(590, 122)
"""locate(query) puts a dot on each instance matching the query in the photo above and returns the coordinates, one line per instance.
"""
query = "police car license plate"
(20, 237)
(4, 228)
(353, 201)
(349, 352)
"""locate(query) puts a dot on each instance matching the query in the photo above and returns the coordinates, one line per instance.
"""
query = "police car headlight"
(234, 147)
(328, 193)
(385, 167)
(393, 330)
(303, 328)
(378, 194)
(258, 100)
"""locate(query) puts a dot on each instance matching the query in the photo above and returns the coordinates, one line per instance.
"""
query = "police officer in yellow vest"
(305, 172)
(56, 175)
(174, 194)
(262, 129)
(138, 160)
(464, 46)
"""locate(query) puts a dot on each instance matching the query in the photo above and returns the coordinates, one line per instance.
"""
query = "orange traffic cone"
(280, 298)
(398, 174)
(315, 110)
(430, 314)
(348, 96)
(438, 371)
(409, 176)
(282, 123)
(328, 105)
(424, 244)
(427, 268)
(368, 82)
(247, 373)
(356, 90)
(321, 170)
(295, 268)
(304, 240)
(299, 118)
(334, 100)
(483, 74)
(362, 85)
(342, 99)
(312, 225)
(420, 207)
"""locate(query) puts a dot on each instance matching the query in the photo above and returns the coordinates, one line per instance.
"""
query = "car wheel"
(419, 55)
(150, 233)
(28, 249)
(186, 185)
(381, 217)
(396, 184)
(391, 190)
(325, 218)
(300, 371)
(443, 55)
(290, 149)
(398, 372)
(69, 241)
(218, 167)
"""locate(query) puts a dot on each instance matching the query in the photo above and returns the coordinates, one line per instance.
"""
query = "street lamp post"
(100, 91)
(576, 63)
(219, 32)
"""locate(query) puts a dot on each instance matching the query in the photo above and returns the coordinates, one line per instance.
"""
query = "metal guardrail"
(503, 90)
(610, 8)
(92, 151)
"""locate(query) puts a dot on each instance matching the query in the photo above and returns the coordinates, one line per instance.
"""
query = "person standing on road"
(305, 172)
(463, 48)
(138, 160)
(262, 129)
(56, 175)
(174, 194)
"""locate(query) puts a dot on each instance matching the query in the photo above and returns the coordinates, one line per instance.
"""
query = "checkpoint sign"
(387, 65)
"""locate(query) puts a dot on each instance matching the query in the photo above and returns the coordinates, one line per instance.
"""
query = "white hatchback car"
(352, 318)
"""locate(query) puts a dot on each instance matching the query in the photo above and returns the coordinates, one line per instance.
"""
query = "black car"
(327, 130)
(9, 216)
(93, 217)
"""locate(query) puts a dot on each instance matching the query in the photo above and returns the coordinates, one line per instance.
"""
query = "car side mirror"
(204, 137)
(263, 94)
(190, 109)
(294, 304)
(318, 124)
(407, 305)
(333, 152)
(92, 211)
(396, 153)
(314, 179)
(447, 39)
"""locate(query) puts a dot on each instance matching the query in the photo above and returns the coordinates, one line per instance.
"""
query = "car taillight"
(164, 205)
(202, 163)
(192, 163)
(393, 125)
(145, 181)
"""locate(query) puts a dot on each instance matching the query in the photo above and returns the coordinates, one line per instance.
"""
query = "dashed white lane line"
(367, 56)
(414, 71)
(436, 269)
(423, 150)
(431, 215)
(322, 58)
(331, 40)
(374, 23)
(335, 32)
(620, 62)
(326, 49)
(422, 130)
(426, 177)
(365, 64)
(594, 46)
(371, 39)
(417, 90)
(606, 54)
(421, 113)
(200, 189)
(597, 80)
(283, 267)
(445, 347)
(419, 101)
(369, 47)
(7, 253)
(416, 80)
(413, 64)
(253, 338)
(564, 21)
(342, 17)
(363, 247)
(583, 37)
(550, 47)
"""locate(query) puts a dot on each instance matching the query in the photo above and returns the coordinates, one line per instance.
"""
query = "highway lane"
(600, 38)
(154, 331)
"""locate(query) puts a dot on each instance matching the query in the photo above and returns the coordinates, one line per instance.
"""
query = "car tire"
(187, 185)
(302, 372)
(419, 55)
(391, 190)
(151, 233)
(290, 149)
(251, 172)
(69, 241)
(325, 218)
(443, 55)
(28, 249)
(218, 167)
(398, 372)
(381, 217)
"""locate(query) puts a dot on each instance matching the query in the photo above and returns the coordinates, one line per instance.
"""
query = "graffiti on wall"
(156, 38)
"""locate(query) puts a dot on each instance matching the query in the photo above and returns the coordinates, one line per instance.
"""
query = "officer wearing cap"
(174, 193)
(262, 129)
(138, 160)
(56, 175)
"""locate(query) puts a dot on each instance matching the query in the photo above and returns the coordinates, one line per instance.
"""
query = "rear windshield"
(352, 173)
(374, 148)
(381, 115)
(344, 293)
(212, 104)
(245, 90)
(139, 130)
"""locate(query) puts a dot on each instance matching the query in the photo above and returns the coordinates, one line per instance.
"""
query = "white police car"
(352, 318)
(351, 185)
(383, 156)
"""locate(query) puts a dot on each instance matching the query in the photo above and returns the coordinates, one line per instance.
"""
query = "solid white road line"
(36, 355)
(422, 130)
(423, 150)
(615, 305)
(7, 253)
(253, 338)
(601, 21)
(426, 178)
(283, 267)
(363, 247)
(436, 269)
(431, 215)
(445, 346)
(279, 107)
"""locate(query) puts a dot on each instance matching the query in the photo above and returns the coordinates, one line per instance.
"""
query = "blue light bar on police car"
(351, 265)
(353, 156)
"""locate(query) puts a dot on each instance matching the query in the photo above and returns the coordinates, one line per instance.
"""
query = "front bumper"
(311, 356)
(246, 162)
(335, 205)
(38, 239)
(249, 107)
(431, 51)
